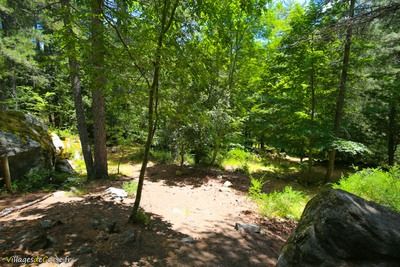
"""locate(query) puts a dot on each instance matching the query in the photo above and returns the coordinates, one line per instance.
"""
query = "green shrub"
(376, 185)
(241, 160)
(39, 179)
(287, 204)
(142, 217)
(162, 156)
(130, 187)
(255, 189)
(239, 155)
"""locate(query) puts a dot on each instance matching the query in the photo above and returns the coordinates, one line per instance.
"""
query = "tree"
(74, 75)
(98, 85)
(342, 89)
(165, 20)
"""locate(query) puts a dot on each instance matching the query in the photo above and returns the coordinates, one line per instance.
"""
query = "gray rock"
(85, 249)
(188, 240)
(102, 236)
(341, 229)
(58, 144)
(46, 224)
(111, 227)
(227, 184)
(116, 192)
(246, 227)
(128, 237)
(64, 166)
(35, 240)
(26, 143)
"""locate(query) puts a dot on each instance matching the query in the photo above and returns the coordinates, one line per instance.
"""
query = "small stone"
(102, 236)
(85, 250)
(95, 223)
(46, 224)
(219, 177)
(188, 240)
(227, 184)
(249, 228)
(128, 237)
(51, 239)
(116, 192)
(112, 227)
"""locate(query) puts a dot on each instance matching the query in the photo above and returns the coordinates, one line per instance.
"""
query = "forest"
(250, 107)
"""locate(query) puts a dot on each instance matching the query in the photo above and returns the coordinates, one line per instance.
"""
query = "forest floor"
(192, 223)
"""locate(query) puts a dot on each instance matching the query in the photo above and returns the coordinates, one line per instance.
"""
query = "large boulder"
(340, 229)
(26, 142)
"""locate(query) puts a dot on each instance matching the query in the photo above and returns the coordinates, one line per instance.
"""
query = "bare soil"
(192, 223)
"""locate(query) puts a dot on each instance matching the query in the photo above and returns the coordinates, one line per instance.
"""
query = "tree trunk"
(392, 133)
(153, 100)
(182, 155)
(7, 176)
(98, 89)
(14, 86)
(312, 113)
(76, 89)
(342, 91)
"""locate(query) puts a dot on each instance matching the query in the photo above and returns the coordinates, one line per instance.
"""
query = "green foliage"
(239, 157)
(142, 217)
(350, 147)
(130, 187)
(256, 186)
(39, 179)
(286, 204)
(376, 185)
(162, 156)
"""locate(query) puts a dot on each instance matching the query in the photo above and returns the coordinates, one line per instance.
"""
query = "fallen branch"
(7, 211)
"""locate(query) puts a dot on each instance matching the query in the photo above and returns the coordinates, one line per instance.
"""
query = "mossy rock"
(24, 139)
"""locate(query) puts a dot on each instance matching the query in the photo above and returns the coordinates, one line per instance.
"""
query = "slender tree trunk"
(182, 157)
(342, 91)
(77, 92)
(312, 113)
(153, 100)
(6, 170)
(392, 133)
(14, 86)
(150, 132)
(98, 89)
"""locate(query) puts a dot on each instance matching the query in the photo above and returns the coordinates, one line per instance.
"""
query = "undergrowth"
(376, 185)
(130, 187)
(288, 203)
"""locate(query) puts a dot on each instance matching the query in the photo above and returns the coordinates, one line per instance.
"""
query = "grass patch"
(77, 191)
(242, 160)
(288, 203)
(376, 185)
(161, 156)
(130, 187)
(39, 179)
(142, 217)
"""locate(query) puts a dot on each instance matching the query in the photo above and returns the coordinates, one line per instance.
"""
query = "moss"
(16, 123)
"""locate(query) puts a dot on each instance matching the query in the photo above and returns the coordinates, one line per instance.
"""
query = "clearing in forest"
(192, 223)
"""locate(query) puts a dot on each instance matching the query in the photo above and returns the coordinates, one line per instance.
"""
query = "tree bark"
(312, 113)
(76, 89)
(392, 142)
(342, 91)
(6, 170)
(153, 100)
(98, 89)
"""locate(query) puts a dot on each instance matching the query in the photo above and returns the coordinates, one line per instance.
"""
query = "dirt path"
(192, 224)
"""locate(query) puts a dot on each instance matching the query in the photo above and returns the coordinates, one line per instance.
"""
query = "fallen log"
(7, 211)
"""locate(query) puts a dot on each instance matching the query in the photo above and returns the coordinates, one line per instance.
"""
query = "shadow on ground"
(173, 175)
(95, 232)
